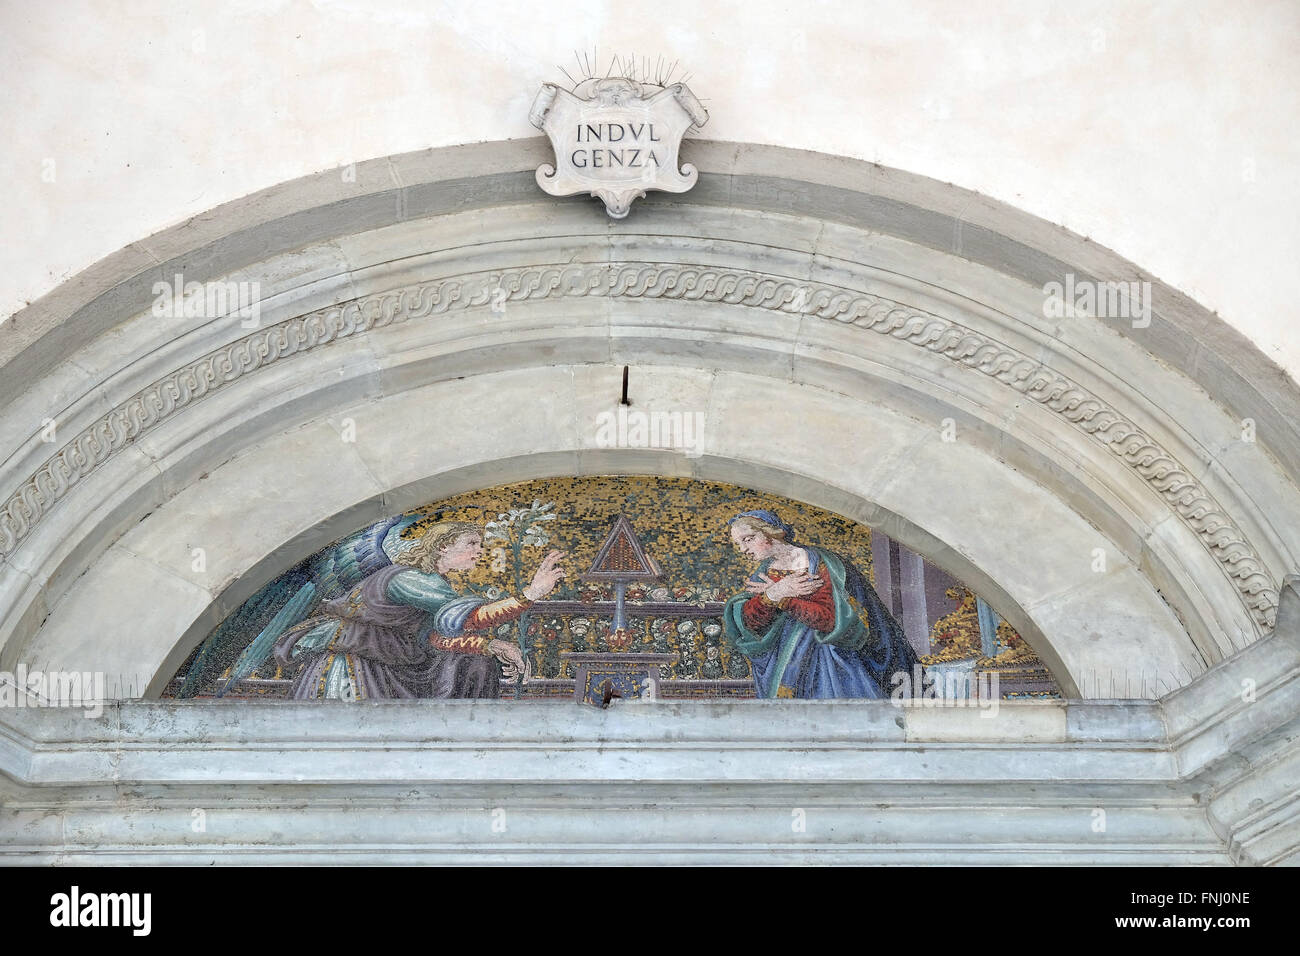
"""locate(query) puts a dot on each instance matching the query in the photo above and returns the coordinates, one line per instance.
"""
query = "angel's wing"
(295, 596)
(223, 644)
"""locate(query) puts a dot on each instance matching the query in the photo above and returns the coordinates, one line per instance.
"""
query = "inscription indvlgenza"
(631, 146)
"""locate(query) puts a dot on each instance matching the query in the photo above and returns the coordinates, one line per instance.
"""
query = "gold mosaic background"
(682, 522)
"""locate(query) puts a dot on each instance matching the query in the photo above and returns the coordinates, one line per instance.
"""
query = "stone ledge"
(487, 742)
(682, 782)
(1242, 697)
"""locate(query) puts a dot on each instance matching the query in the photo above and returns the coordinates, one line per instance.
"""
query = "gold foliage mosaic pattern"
(682, 523)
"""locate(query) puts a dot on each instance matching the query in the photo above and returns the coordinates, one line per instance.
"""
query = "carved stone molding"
(157, 402)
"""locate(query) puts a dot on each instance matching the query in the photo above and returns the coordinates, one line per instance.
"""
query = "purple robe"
(383, 644)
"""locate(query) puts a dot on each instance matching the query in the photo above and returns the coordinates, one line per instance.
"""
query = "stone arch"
(855, 309)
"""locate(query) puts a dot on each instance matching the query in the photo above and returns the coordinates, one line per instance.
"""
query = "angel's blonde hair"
(424, 554)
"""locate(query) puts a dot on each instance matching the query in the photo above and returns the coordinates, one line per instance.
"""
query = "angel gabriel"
(404, 631)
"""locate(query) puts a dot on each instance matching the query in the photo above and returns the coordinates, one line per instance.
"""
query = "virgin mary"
(809, 621)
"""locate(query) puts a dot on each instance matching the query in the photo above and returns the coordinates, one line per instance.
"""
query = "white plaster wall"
(1161, 130)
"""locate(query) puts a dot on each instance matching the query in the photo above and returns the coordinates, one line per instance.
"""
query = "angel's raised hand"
(548, 575)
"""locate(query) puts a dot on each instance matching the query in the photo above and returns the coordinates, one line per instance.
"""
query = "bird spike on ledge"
(644, 70)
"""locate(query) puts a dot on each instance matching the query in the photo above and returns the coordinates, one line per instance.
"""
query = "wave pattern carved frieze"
(1182, 492)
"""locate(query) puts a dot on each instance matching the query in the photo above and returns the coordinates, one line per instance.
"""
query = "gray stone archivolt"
(1125, 487)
